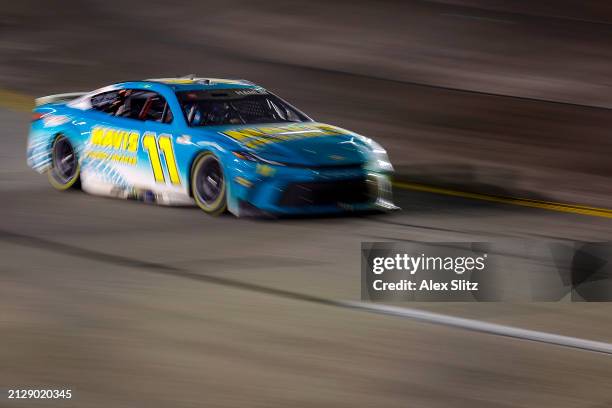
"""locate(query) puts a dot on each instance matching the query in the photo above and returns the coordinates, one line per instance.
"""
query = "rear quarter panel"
(56, 119)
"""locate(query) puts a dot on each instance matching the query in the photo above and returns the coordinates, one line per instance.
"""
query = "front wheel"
(65, 168)
(208, 184)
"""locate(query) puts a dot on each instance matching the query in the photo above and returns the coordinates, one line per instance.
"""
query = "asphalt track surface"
(134, 305)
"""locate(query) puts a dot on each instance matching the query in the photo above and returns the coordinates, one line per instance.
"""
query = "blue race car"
(217, 143)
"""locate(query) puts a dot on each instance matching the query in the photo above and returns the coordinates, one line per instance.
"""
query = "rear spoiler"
(65, 97)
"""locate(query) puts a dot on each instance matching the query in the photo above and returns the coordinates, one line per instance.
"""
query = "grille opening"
(352, 191)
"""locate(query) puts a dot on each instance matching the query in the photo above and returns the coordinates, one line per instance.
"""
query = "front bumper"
(260, 188)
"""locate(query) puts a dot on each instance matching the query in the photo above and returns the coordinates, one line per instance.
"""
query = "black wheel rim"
(209, 181)
(64, 160)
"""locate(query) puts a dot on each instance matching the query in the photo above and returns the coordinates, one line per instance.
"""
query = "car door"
(156, 174)
(110, 152)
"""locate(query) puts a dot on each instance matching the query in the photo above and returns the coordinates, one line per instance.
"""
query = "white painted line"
(483, 327)
(429, 317)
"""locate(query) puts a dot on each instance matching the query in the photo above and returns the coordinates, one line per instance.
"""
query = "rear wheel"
(208, 184)
(65, 168)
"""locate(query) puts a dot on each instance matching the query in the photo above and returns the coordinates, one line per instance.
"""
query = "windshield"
(236, 107)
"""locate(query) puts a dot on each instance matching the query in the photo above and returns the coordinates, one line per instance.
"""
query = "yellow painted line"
(545, 205)
(16, 101)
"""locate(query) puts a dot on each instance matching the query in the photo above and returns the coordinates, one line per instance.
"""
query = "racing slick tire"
(65, 168)
(208, 184)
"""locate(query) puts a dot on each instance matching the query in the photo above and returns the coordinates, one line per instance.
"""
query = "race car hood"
(305, 144)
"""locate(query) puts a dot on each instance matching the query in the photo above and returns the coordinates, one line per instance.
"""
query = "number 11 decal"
(162, 144)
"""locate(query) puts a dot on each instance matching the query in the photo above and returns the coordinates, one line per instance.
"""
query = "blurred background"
(501, 97)
(472, 92)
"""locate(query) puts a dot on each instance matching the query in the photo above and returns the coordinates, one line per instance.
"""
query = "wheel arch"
(76, 181)
(195, 156)
(219, 204)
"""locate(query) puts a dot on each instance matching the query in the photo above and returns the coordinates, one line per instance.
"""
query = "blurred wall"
(422, 76)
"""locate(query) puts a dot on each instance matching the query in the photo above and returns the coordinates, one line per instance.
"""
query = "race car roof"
(195, 83)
